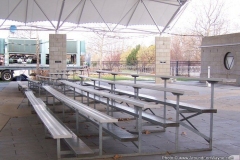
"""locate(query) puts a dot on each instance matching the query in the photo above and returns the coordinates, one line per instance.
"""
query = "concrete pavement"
(22, 133)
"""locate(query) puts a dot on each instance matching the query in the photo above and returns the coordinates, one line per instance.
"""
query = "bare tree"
(210, 18)
(185, 48)
(176, 51)
(105, 47)
(28, 34)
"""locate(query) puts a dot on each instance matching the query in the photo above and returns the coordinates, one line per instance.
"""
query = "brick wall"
(213, 52)
(162, 45)
(57, 52)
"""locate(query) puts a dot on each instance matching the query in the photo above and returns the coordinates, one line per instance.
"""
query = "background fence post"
(176, 68)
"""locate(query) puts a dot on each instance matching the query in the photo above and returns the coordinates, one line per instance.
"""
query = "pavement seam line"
(5, 124)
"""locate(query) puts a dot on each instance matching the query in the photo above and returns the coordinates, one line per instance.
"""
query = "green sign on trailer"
(22, 46)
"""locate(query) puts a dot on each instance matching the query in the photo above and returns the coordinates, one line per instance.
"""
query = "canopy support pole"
(126, 15)
(26, 13)
(70, 14)
(60, 14)
(151, 17)
(100, 15)
(44, 14)
(171, 19)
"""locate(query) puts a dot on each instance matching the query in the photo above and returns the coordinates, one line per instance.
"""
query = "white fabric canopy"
(119, 12)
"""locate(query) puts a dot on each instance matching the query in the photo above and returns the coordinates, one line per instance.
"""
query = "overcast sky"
(232, 9)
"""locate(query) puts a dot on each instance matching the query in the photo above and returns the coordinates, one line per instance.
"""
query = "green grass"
(1, 81)
(184, 79)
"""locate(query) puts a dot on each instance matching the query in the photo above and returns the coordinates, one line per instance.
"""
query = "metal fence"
(178, 68)
(186, 68)
(138, 67)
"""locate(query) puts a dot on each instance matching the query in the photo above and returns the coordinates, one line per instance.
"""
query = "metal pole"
(45, 131)
(107, 106)
(114, 77)
(88, 98)
(177, 68)
(63, 113)
(53, 103)
(211, 115)
(64, 89)
(94, 84)
(100, 139)
(177, 120)
(46, 96)
(140, 130)
(39, 85)
(99, 76)
(208, 84)
(165, 97)
(76, 120)
(82, 95)
(74, 93)
(58, 148)
(94, 95)
(111, 98)
(82, 81)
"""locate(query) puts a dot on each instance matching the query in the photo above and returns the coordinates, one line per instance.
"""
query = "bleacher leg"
(39, 87)
(107, 106)
(82, 96)
(112, 99)
(140, 130)
(58, 149)
(112, 108)
(94, 102)
(177, 120)
(46, 97)
(136, 111)
(45, 131)
(211, 115)
(99, 76)
(165, 97)
(64, 89)
(100, 139)
(76, 121)
(53, 103)
(88, 98)
(81, 81)
(63, 113)
(74, 93)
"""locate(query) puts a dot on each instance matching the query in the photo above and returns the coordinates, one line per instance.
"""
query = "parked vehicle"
(6, 74)
(21, 77)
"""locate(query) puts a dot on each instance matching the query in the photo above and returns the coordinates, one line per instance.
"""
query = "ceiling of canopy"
(113, 15)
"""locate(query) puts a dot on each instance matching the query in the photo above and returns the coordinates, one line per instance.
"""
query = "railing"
(178, 68)
(139, 67)
(186, 68)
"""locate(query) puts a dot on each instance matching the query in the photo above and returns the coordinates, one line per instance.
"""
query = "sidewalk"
(22, 133)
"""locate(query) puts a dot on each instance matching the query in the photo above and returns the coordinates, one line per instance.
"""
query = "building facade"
(222, 54)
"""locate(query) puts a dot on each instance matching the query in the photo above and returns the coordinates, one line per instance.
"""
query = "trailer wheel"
(7, 75)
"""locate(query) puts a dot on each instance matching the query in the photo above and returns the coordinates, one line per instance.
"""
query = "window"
(228, 60)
